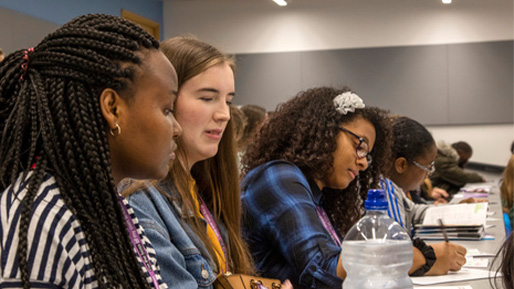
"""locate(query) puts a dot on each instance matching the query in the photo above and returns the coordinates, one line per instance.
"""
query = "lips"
(214, 131)
(353, 174)
(173, 149)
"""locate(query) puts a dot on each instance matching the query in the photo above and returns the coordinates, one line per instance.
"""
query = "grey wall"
(436, 84)
(20, 31)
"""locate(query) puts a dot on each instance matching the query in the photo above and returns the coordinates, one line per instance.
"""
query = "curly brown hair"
(303, 131)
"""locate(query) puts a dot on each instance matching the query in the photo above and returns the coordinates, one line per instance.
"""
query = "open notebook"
(461, 222)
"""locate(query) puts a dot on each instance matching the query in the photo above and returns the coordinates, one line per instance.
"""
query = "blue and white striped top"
(58, 253)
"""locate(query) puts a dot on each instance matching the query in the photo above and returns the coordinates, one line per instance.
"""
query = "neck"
(320, 184)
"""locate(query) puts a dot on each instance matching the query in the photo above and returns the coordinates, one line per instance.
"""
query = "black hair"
(50, 116)
(411, 139)
(506, 266)
(463, 147)
(304, 130)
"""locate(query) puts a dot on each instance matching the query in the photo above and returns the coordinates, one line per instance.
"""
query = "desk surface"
(487, 246)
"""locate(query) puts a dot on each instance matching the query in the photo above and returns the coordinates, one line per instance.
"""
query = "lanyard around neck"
(138, 244)
(210, 220)
(327, 224)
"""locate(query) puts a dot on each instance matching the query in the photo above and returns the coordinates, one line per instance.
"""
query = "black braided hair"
(50, 115)
(411, 139)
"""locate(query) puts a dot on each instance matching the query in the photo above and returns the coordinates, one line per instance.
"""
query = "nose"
(222, 113)
(177, 129)
(362, 163)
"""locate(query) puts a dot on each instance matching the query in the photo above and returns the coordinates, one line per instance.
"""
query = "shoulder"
(272, 172)
(153, 209)
(279, 183)
(55, 237)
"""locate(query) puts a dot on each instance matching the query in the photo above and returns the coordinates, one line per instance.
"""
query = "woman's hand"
(450, 257)
(286, 285)
(473, 200)
(438, 193)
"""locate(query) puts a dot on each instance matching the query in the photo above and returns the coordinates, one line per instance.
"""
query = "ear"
(109, 102)
(400, 165)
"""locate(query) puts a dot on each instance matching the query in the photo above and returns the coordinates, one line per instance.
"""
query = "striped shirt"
(58, 254)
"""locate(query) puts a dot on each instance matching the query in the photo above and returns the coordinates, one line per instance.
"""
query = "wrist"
(428, 253)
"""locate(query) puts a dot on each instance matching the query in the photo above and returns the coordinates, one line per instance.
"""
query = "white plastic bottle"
(376, 251)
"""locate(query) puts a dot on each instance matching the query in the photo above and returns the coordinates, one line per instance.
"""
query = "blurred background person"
(449, 173)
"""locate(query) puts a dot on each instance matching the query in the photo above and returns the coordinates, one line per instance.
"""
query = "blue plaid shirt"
(283, 230)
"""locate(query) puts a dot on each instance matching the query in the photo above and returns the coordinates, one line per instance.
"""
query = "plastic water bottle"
(376, 252)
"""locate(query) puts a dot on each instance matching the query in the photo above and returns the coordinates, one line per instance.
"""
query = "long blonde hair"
(507, 186)
(217, 177)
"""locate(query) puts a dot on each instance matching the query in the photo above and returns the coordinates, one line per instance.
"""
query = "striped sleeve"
(58, 255)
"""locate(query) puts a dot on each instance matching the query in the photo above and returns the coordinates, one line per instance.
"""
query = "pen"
(443, 230)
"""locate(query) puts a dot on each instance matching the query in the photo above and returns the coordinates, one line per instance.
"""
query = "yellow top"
(220, 256)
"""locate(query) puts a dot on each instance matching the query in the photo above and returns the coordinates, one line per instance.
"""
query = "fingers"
(440, 201)
(441, 192)
(287, 285)
(459, 249)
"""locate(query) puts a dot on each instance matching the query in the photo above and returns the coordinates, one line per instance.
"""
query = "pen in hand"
(443, 230)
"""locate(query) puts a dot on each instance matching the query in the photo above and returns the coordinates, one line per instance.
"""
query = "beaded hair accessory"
(26, 59)
(348, 102)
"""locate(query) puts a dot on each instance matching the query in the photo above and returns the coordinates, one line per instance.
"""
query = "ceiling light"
(447, 1)
(280, 2)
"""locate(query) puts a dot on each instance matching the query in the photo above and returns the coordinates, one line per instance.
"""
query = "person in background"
(255, 117)
(2, 55)
(449, 173)
(240, 121)
(507, 193)
(193, 216)
(88, 106)
(414, 152)
(312, 158)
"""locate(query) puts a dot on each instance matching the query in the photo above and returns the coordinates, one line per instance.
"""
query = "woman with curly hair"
(88, 106)
(319, 152)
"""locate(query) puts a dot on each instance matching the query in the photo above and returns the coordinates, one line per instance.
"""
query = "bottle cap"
(376, 200)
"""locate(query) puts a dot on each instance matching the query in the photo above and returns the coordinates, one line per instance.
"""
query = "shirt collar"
(317, 194)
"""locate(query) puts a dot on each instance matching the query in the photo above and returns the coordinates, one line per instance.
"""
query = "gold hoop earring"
(115, 131)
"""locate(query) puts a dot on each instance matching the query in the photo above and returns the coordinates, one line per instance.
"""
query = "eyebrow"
(208, 89)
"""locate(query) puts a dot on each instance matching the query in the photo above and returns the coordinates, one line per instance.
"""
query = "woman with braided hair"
(90, 105)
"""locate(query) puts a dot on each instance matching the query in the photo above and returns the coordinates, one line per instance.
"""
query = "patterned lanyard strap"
(328, 225)
(138, 243)
(210, 220)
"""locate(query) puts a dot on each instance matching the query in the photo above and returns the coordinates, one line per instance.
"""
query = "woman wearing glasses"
(318, 153)
(414, 152)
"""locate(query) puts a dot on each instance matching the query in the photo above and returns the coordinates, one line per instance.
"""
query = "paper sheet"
(477, 253)
(464, 274)
(476, 262)
(445, 287)
(461, 214)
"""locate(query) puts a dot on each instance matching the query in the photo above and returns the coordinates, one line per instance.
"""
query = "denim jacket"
(182, 256)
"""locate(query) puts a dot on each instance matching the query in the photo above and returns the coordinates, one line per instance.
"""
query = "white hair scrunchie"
(348, 102)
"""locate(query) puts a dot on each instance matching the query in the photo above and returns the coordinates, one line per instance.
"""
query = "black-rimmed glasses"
(362, 150)
(429, 168)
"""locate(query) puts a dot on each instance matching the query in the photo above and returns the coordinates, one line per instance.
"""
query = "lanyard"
(210, 220)
(327, 224)
(138, 244)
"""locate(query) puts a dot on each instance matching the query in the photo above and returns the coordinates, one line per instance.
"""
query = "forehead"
(363, 128)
